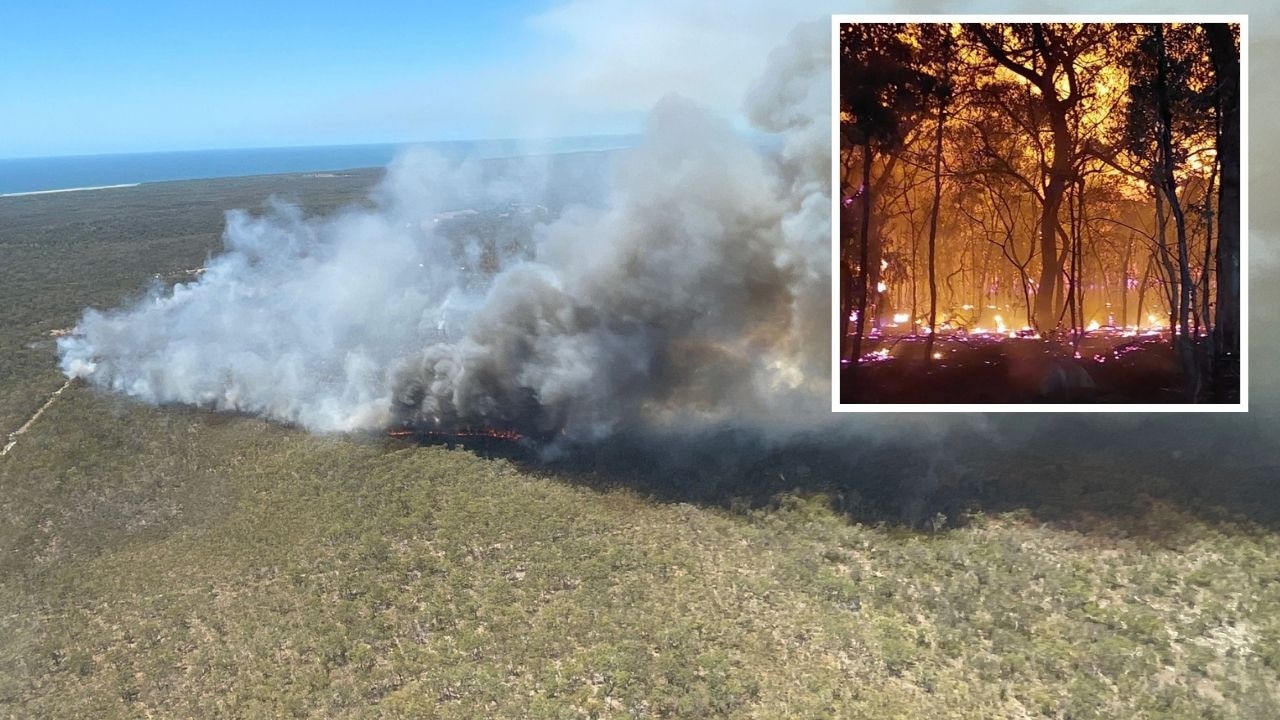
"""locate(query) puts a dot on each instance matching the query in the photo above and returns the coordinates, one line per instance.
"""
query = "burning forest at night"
(1039, 213)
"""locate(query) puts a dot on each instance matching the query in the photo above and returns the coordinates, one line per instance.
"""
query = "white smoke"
(695, 294)
(698, 294)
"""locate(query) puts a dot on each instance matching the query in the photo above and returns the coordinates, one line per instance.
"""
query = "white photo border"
(837, 406)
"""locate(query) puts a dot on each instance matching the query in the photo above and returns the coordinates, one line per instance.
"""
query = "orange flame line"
(509, 435)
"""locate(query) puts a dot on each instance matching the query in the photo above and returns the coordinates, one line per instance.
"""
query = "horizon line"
(248, 148)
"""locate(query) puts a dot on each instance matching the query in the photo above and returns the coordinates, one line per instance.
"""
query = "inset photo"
(1039, 213)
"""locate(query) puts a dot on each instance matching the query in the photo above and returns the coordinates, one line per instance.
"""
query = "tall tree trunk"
(1057, 109)
(1124, 283)
(1073, 271)
(980, 297)
(1026, 295)
(1142, 287)
(1204, 356)
(1083, 217)
(915, 263)
(877, 302)
(1226, 332)
(864, 250)
(1168, 280)
(1207, 264)
(1186, 286)
(1048, 297)
(933, 232)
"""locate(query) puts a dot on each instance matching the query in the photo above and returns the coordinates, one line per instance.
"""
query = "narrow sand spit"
(67, 190)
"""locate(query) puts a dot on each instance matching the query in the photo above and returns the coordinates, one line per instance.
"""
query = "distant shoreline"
(32, 176)
(328, 174)
(66, 190)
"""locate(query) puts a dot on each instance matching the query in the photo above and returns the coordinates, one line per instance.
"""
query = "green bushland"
(170, 562)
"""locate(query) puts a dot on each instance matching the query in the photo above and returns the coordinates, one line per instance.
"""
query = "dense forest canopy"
(1053, 179)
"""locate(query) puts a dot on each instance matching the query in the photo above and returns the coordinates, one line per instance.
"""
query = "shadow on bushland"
(1087, 473)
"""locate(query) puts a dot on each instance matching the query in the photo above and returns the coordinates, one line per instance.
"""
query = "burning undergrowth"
(680, 310)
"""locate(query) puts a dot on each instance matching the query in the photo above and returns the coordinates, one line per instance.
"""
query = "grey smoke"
(696, 294)
(693, 292)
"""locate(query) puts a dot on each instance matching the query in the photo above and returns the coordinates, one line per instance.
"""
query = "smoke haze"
(696, 294)
(693, 292)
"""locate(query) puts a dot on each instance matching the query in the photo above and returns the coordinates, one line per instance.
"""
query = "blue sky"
(79, 77)
(122, 76)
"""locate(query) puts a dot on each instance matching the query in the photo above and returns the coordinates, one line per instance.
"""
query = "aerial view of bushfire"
(638, 360)
(1040, 213)
(693, 295)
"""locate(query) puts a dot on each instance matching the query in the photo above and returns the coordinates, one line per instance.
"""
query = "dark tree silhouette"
(942, 91)
(1049, 50)
(879, 87)
(1224, 52)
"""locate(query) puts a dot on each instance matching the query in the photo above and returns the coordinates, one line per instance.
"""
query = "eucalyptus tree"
(941, 40)
(1171, 103)
(1047, 56)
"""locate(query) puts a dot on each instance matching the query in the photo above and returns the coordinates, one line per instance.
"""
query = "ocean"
(53, 174)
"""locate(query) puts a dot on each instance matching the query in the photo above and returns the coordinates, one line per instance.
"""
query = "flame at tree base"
(460, 434)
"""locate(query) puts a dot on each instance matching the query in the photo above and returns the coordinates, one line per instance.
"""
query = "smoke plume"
(688, 289)
(695, 294)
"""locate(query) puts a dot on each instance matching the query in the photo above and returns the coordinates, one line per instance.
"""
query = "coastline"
(349, 184)
(67, 190)
(30, 176)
